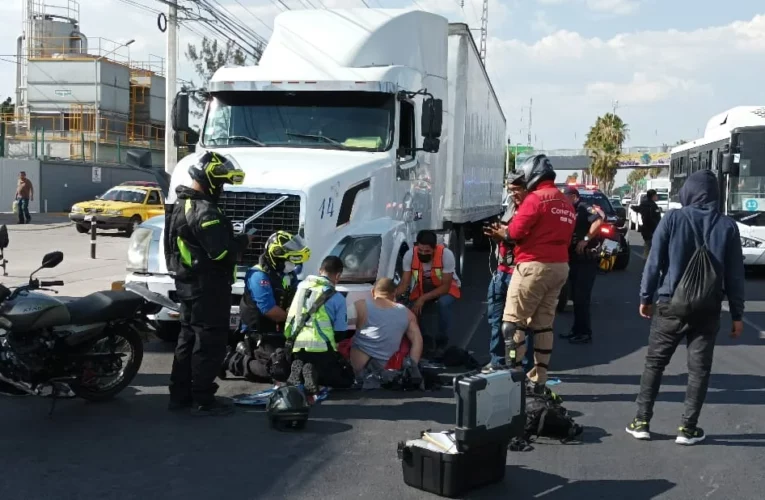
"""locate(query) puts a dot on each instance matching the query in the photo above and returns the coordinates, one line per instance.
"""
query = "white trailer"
(475, 166)
(370, 125)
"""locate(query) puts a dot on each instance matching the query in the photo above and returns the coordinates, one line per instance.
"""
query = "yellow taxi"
(122, 207)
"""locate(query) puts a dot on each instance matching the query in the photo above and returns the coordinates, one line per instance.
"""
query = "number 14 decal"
(327, 208)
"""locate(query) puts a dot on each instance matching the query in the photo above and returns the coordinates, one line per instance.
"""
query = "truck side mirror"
(432, 118)
(728, 167)
(181, 112)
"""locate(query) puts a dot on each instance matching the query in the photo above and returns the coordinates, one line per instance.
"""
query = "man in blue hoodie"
(672, 247)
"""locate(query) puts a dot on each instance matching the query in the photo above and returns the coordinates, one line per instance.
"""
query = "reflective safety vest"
(436, 274)
(317, 335)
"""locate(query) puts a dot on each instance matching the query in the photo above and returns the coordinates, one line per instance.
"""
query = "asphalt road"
(133, 448)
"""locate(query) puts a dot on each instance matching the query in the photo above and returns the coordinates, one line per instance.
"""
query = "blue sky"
(671, 64)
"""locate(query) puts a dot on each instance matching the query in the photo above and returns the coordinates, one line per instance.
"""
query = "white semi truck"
(358, 128)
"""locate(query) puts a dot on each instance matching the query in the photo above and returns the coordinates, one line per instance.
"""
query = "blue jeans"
(495, 301)
(23, 209)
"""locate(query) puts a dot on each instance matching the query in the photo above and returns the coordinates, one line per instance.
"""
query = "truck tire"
(480, 241)
(457, 246)
(167, 331)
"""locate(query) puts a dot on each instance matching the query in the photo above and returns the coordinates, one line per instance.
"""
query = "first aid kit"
(490, 413)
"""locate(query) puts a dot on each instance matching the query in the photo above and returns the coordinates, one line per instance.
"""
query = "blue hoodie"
(673, 245)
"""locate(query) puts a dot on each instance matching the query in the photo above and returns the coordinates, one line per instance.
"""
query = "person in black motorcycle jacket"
(201, 250)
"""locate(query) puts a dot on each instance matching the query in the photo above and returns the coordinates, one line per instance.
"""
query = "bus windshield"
(747, 191)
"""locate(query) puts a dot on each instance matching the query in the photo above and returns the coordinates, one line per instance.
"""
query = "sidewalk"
(39, 221)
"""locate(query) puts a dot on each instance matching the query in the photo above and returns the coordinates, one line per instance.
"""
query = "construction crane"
(484, 27)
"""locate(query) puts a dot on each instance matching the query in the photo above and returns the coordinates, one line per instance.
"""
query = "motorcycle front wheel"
(111, 363)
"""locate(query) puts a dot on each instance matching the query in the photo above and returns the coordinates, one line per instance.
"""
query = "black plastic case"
(453, 475)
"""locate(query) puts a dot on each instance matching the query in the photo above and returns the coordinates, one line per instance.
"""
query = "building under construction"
(81, 98)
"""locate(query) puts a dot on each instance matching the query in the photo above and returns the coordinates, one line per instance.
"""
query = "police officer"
(269, 288)
(201, 250)
(583, 265)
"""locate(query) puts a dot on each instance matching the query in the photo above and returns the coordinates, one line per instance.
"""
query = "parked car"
(122, 207)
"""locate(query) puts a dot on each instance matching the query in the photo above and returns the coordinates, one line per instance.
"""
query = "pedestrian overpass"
(577, 159)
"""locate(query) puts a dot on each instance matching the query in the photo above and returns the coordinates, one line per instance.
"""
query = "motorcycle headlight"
(138, 250)
(361, 258)
(113, 212)
(750, 243)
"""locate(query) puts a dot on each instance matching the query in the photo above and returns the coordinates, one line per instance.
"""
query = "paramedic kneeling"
(430, 274)
(542, 229)
(316, 313)
(381, 325)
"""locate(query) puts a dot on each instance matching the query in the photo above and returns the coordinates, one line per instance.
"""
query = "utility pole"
(484, 30)
(615, 106)
(531, 103)
(171, 152)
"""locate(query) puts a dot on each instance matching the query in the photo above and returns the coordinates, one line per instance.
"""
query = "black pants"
(332, 370)
(581, 275)
(201, 347)
(666, 333)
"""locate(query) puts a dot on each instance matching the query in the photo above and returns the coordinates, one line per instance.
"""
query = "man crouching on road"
(542, 229)
(316, 313)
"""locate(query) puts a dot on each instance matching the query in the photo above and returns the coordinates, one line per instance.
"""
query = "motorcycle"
(89, 347)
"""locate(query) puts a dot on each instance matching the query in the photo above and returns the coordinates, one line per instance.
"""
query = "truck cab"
(339, 133)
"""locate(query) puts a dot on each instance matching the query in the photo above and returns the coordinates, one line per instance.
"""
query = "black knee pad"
(508, 330)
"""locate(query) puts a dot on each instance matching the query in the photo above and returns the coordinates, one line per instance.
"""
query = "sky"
(667, 65)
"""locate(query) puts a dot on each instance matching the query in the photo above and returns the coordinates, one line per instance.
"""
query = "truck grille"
(239, 205)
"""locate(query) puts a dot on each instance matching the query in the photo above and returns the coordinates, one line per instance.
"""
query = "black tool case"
(453, 475)
(490, 412)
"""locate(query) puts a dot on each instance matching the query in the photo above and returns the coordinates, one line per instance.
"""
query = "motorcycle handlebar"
(52, 283)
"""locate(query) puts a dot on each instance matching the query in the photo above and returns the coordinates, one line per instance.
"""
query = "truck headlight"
(750, 243)
(113, 212)
(138, 250)
(361, 258)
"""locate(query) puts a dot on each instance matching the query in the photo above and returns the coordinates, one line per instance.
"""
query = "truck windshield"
(360, 121)
(747, 191)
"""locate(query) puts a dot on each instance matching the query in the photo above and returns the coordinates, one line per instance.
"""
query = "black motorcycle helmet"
(287, 408)
(536, 169)
(213, 170)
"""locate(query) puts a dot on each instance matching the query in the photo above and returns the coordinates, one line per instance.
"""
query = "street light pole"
(171, 153)
(97, 123)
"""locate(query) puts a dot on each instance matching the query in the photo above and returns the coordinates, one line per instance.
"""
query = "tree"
(209, 58)
(655, 172)
(634, 178)
(7, 107)
(604, 146)
(571, 179)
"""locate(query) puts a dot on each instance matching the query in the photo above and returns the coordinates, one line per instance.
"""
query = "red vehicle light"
(606, 229)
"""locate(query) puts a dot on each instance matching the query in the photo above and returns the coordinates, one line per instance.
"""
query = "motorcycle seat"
(101, 307)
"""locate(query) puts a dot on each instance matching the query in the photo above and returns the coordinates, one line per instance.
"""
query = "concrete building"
(79, 98)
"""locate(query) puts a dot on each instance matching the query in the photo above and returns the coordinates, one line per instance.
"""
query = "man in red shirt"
(542, 229)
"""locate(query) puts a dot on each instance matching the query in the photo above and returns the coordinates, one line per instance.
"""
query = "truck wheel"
(480, 241)
(167, 331)
(457, 246)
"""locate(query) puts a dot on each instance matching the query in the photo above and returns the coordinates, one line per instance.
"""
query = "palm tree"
(604, 145)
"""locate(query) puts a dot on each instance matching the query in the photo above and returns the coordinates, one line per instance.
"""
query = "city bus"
(733, 147)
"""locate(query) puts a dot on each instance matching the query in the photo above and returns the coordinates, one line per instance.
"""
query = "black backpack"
(545, 418)
(699, 290)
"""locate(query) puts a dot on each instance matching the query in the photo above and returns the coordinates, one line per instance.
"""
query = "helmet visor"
(295, 250)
